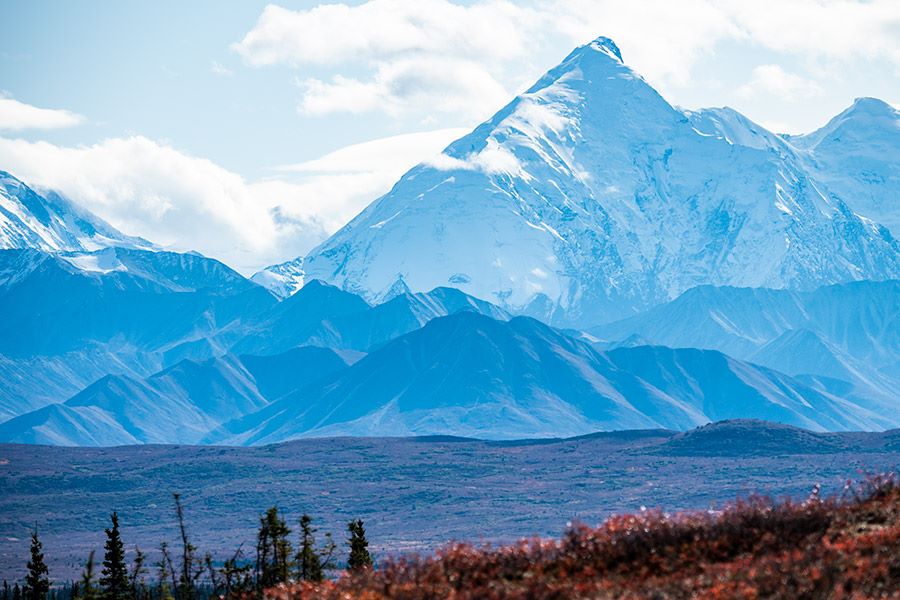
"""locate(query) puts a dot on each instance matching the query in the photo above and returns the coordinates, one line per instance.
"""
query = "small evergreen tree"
(88, 589)
(165, 571)
(136, 578)
(309, 564)
(114, 579)
(327, 554)
(236, 577)
(6, 590)
(185, 588)
(214, 583)
(37, 583)
(359, 547)
(273, 550)
(17, 593)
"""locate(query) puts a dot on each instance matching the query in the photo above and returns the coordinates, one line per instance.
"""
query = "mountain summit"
(607, 46)
(855, 156)
(589, 197)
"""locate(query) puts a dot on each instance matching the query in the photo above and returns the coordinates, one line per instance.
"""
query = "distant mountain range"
(180, 404)
(471, 375)
(591, 258)
(846, 337)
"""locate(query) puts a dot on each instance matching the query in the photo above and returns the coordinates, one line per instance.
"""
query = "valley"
(413, 493)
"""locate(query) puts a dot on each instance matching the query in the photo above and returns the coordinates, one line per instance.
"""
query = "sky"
(250, 131)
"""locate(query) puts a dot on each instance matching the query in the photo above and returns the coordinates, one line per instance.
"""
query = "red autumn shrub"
(754, 548)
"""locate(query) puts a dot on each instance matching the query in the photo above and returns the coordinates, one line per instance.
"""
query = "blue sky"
(180, 121)
(147, 68)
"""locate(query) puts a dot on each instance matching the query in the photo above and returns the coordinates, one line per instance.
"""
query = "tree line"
(186, 575)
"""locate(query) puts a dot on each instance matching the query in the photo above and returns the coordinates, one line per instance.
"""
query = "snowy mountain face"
(283, 279)
(590, 198)
(855, 156)
(51, 223)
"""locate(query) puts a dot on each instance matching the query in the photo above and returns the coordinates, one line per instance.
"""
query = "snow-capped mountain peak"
(606, 46)
(590, 197)
(857, 124)
(855, 157)
(283, 279)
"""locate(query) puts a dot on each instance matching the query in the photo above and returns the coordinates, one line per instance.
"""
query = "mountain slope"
(323, 315)
(283, 279)
(589, 198)
(51, 223)
(848, 332)
(470, 375)
(70, 318)
(147, 299)
(856, 156)
(178, 405)
(862, 319)
(30, 382)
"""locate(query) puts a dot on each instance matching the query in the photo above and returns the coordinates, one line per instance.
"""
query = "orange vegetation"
(756, 548)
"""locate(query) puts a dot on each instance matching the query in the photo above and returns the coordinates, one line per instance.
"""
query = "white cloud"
(187, 203)
(775, 81)
(418, 57)
(179, 201)
(391, 155)
(660, 39)
(16, 116)
(816, 29)
(380, 30)
(493, 158)
(451, 86)
(663, 40)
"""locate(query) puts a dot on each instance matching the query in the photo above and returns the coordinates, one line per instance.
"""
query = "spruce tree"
(327, 553)
(136, 578)
(37, 584)
(236, 577)
(114, 580)
(88, 589)
(189, 572)
(309, 565)
(17, 593)
(359, 547)
(6, 590)
(164, 590)
(273, 550)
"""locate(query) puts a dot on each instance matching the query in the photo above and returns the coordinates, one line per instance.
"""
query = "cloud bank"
(185, 203)
(396, 56)
(16, 116)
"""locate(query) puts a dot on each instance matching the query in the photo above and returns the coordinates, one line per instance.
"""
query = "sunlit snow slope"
(51, 223)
